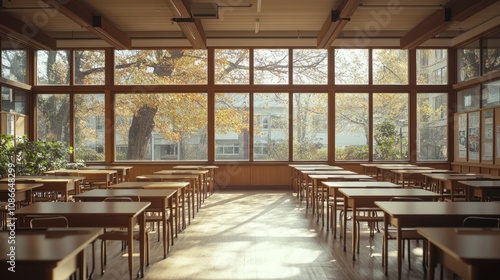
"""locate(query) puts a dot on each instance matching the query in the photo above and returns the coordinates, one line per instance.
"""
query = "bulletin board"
(473, 136)
(487, 136)
(461, 137)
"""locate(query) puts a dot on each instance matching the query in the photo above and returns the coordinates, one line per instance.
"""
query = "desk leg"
(334, 214)
(171, 218)
(183, 197)
(131, 247)
(385, 248)
(164, 225)
(399, 253)
(344, 228)
(431, 261)
(81, 265)
(354, 231)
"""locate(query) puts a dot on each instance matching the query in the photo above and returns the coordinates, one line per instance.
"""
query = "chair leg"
(103, 256)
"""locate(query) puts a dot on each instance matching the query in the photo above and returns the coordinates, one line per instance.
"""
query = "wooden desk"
(193, 188)
(160, 199)
(449, 182)
(202, 180)
(123, 172)
(333, 190)
(23, 191)
(388, 171)
(295, 173)
(180, 186)
(481, 189)
(47, 254)
(98, 214)
(211, 174)
(371, 168)
(109, 176)
(471, 253)
(60, 184)
(430, 214)
(365, 198)
(406, 176)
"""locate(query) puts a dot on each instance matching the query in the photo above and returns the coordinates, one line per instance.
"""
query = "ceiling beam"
(455, 10)
(335, 22)
(87, 18)
(25, 33)
(191, 27)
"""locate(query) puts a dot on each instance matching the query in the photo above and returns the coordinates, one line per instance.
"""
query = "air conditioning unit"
(205, 10)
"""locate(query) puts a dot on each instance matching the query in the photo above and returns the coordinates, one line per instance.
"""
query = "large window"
(160, 67)
(432, 67)
(351, 66)
(271, 66)
(89, 127)
(52, 67)
(53, 119)
(491, 53)
(89, 67)
(310, 66)
(390, 67)
(232, 66)
(390, 126)
(161, 126)
(14, 65)
(351, 126)
(310, 126)
(13, 100)
(432, 126)
(271, 126)
(468, 62)
(232, 121)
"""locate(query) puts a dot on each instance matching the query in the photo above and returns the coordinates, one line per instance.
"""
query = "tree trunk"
(140, 132)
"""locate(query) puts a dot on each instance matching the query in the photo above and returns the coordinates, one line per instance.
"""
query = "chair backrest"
(126, 198)
(474, 221)
(46, 221)
(404, 198)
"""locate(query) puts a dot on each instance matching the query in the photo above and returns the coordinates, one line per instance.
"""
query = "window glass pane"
(89, 67)
(491, 53)
(271, 126)
(231, 126)
(161, 126)
(232, 66)
(14, 100)
(53, 117)
(468, 65)
(310, 126)
(491, 94)
(271, 66)
(160, 67)
(468, 99)
(351, 126)
(52, 67)
(390, 67)
(14, 65)
(432, 67)
(351, 66)
(89, 127)
(390, 126)
(432, 126)
(310, 66)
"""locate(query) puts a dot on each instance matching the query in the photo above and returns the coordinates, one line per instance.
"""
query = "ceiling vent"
(204, 10)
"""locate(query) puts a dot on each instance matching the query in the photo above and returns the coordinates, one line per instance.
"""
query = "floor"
(245, 234)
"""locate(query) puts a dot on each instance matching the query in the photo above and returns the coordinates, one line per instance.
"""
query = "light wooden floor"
(261, 235)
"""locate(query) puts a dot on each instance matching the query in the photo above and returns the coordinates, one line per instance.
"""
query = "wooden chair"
(120, 234)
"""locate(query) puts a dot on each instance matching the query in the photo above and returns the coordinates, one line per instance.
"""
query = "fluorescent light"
(257, 25)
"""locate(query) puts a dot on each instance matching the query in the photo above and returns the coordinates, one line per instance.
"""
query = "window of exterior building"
(390, 67)
(432, 67)
(469, 99)
(468, 62)
(89, 127)
(52, 67)
(89, 66)
(271, 66)
(145, 123)
(351, 66)
(273, 138)
(310, 126)
(232, 66)
(14, 100)
(310, 67)
(490, 94)
(390, 126)
(432, 127)
(232, 122)
(351, 126)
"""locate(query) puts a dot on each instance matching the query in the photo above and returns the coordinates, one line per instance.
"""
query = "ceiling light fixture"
(259, 5)
(257, 25)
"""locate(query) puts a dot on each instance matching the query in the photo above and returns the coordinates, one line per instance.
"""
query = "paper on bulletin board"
(497, 131)
(487, 151)
(473, 136)
(462, 136)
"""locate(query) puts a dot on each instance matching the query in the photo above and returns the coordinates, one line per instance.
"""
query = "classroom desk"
(387, 172)
(295, 173)
(59, 184)
(202, 180)
(108, 176)
(429, 214)
(333, 191)
(180, 186)
(23, 191)
(471, 253)
(481, 189)
(406, 176)
(366, 198)
(371, 168)
(211, 174)
(449, 182)
(123, 172)
(160, 200)
(49, 254)
(98, 214)
(193, 188)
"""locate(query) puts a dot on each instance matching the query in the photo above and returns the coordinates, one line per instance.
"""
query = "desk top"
(50, 178)
(318, 168)
(83, 171)
(426, 208)
(482, 184)
(195, 167)
(423, 171)
(170, 176)
(149, 185)
(39, 245)
(84, 208)
(19, 187)
(403, 167)
(142, 193)
(387, 193)
(385, 164)
(341, 176)
(460, 176)
(368, 184)
(328, 172)
(181, 172)
(465, 243)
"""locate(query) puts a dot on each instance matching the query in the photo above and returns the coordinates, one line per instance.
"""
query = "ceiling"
(124, 24)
